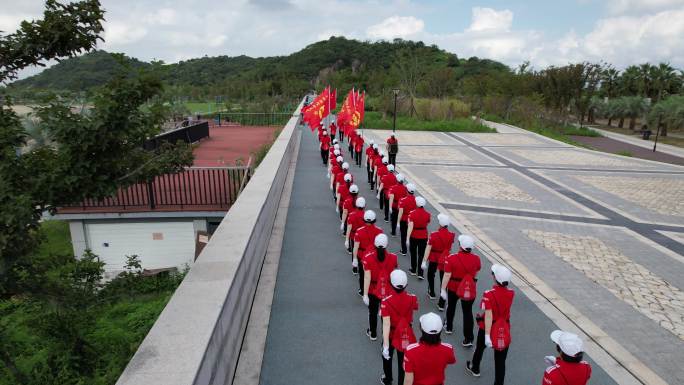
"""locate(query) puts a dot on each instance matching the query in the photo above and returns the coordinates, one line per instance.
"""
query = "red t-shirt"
(369, 154)
(399, 191)
(325, 142)
(428, 362)
(339, 177)
(348, 204)
(358, 145)
(499, 300)
(398, 306)
(380, 285)
(440, 242)
(460, 264)
(420, 218)
(382, 169)
(567, 373)
(333, 129)
(335, 168)
(391, 140)
(343, 190)
(354, 221)
(365, 236)
(388, 181)
(408, 203)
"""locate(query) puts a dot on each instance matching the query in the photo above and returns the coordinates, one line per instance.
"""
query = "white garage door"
(159, 245)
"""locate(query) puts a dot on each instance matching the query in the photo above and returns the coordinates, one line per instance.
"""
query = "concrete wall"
(197, 338)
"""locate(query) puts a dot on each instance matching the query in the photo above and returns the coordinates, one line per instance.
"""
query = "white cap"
(420, 201)
(347, 177)
(411, 188)
(400, 178)
(390, 168)
(345, 166)
(501, 273)
(335, 142)
(443, 220)
(361, 203)
(353, 188)
(339, 159)
(385, 160)
(336, 146)
(336, 152)
(431, 323)
(466, 242)
(372, 142)
(369, 216)
(325, 131)
(375, 146)
(398, 279)
(381, 241)
(569, 343)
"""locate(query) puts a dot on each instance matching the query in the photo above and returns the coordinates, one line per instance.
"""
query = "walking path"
(317, 325)
(662, 147)
(597, 237)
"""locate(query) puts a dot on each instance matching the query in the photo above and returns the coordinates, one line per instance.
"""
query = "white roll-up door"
(158, 244)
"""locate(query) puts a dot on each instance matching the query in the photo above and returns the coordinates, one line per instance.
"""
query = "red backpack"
(403, 333)
(501, 330)
(466, 290)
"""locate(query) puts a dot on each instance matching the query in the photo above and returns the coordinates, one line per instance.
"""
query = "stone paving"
(603, 231)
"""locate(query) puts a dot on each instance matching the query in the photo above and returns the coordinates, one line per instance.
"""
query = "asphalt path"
(317, 327)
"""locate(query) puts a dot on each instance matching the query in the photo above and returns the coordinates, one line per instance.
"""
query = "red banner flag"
(319, 109)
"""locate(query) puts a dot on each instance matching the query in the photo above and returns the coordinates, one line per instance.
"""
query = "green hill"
(338, 61)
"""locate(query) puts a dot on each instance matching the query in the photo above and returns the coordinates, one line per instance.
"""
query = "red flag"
(333, 100)
(319, 109)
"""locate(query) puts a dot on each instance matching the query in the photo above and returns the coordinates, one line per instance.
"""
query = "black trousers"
(393, 159)
(360, 268)
(432, 269)
(403, 229)
(467, 307)
(394, 216)
(499, 359)
(324, 155)
(358, 158)
(373, 308)
(417, 249)
(382, 200)
(369, 172)
(387, 366)
(386, 206)
(340, 135)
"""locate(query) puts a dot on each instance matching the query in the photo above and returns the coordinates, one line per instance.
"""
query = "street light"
(394, 123)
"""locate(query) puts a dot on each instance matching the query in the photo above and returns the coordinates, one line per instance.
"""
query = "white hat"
(569, 343)
(339, 159)
(420, 201)
(361, 203)
(390, 168)
(375, 146)
(336, 152)
(345, 166)
(325, 131)
(347, 176)
(400, 178)
(398, 279)
(372, 142)
(353, 188)
(501, 273)
(381, 241)
(411, 188)
(385, 160)
(431, 323)
(369, 216)
(336, 146)
(443, 220)
(466, 242)
(335, 142)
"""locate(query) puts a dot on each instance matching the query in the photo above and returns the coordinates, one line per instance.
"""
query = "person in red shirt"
(378, 263)
(380, 169)
(358, 149)
(352, 137)
(457, 267)
(348, 206)
(396, 311)
(353, 223)
(392, 149)
(338, 178)
(363, 243)
(374, 162)
(425, 362)
(417, 233)
(325, 147)
(406, 205)
(386, 183)
(333, 130)
(496, 304)
(438, 247)
(568, 368)
(380, 173)
(343, 192)
(396, 193)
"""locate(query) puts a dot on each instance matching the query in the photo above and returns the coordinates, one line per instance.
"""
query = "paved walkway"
(602, 235)
(316, 332)
(614, 146)
(662, 147)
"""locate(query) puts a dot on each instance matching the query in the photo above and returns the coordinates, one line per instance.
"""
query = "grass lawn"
(373, 120)
(56, 238)
(558, 132)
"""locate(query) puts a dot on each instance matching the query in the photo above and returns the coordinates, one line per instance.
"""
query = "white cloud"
(396, 26)
(488, 19)
(626, 6)
(118, 34)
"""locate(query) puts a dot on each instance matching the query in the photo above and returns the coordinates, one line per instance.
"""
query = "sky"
(544, 32)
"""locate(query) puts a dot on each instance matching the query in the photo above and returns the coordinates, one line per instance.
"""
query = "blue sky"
(551, 32)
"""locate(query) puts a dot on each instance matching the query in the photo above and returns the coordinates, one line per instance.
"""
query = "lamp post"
(655, 142)
(394, 122)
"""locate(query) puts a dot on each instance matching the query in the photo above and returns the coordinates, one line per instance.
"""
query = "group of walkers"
(383, 286)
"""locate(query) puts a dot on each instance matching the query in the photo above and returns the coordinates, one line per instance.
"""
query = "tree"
(410, 74)
(665, 80)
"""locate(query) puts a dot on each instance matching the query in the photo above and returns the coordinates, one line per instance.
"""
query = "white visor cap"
(390, 168)
(569, 343)
(339, 159)
(345, 166)
(398, 279)
(411, 188)
(420, 201)
(381, 241)
(347, 177)
(361, 202)
(353, 188)
(501, 273)
(466, 242)
(369, 216)
(431, 323)
(443, 220)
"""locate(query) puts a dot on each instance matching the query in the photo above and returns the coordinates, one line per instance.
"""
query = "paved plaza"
(599, 237)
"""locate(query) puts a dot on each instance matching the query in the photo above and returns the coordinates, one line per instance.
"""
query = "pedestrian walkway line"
(619, 363)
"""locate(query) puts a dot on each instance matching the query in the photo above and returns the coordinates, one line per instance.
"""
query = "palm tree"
(629, 81)
(669, 113)
(633, 107)
(645, 79)
(609, 81)
(664, 77)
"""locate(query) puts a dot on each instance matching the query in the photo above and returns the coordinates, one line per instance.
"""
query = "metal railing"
(202, 187)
